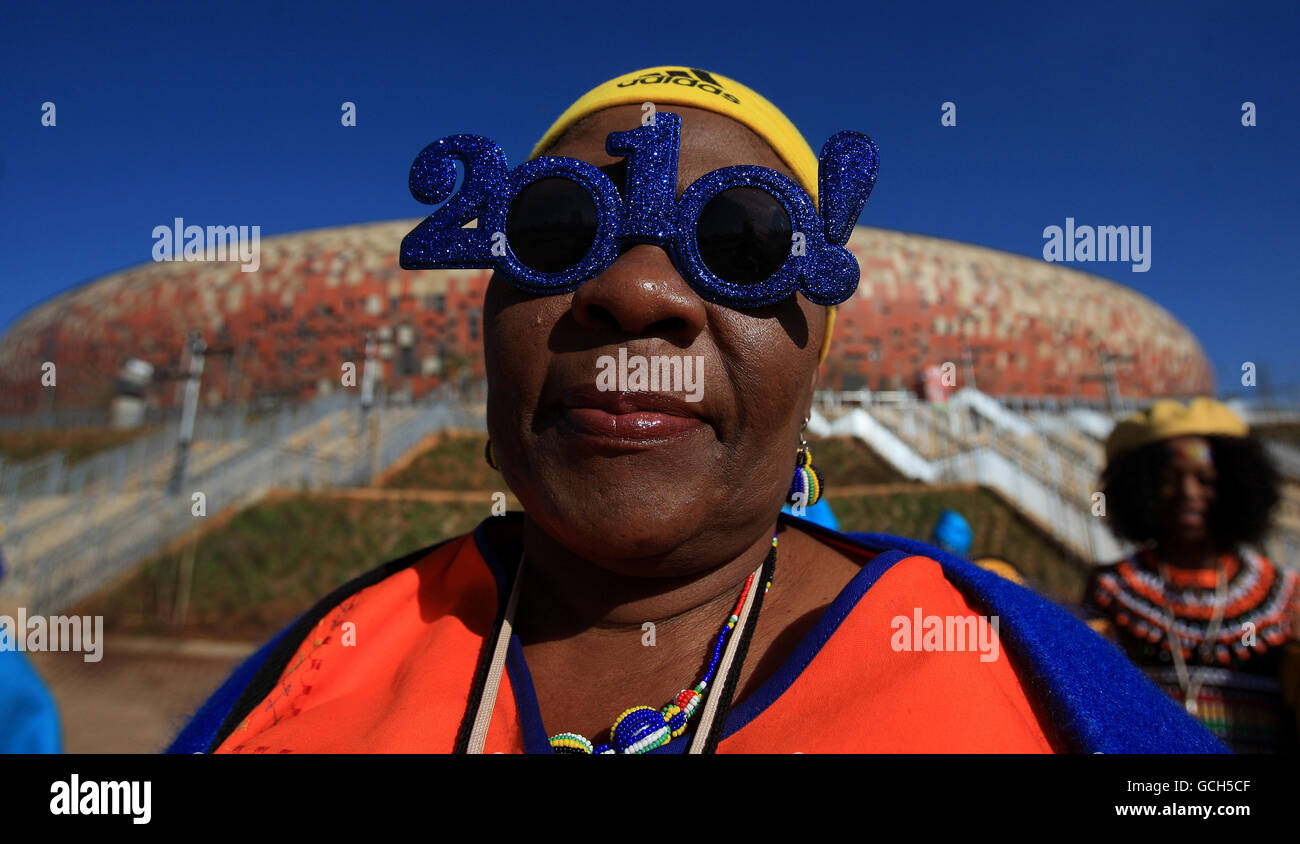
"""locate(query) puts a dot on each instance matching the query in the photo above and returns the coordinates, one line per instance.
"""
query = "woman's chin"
(622, 528)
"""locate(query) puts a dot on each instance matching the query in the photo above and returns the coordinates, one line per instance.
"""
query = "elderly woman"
(651, 598)
(1194, 492)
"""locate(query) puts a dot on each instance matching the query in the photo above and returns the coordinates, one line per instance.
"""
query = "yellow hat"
(1166, 419)
(1001, 568)
(690, 86)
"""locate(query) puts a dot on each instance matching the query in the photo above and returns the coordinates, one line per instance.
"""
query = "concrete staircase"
(69, 531)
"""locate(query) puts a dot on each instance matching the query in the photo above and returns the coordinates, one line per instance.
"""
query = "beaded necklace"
(1141, 599)
(641, 729)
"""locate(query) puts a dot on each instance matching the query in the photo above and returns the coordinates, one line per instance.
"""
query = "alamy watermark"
(946, 633)
(180, 242)
(77, 634)
(639, 374)
(75, 796)
(1098, 243)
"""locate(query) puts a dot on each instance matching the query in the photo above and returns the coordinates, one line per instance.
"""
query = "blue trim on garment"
(530, 712)
(204, 726)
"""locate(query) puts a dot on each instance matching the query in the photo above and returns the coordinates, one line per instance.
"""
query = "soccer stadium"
(1017, 328)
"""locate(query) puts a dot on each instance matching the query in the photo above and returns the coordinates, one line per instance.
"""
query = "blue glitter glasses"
(741, 236)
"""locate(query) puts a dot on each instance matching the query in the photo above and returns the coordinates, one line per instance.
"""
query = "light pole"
(370, 421)
(188, 411)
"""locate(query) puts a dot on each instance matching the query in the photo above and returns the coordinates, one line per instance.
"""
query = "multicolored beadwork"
(688, 700)
(807, 485)
(571, 743)
(676, 719)
(641, 729)
(1260, 597)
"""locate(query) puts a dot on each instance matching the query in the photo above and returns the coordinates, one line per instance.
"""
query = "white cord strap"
(711, 703)
(478, 735)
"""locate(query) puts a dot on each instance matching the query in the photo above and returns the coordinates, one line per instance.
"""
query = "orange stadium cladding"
(1021, 327)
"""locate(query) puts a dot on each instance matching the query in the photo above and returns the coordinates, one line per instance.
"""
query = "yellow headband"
(680, 85)
(1166, 419)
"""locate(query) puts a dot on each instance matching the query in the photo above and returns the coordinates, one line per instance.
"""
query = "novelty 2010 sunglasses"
(741, 236)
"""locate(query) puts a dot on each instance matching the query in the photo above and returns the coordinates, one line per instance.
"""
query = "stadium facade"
(1020, 327)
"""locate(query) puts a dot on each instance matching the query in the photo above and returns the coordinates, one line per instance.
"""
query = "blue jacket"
(29, 722)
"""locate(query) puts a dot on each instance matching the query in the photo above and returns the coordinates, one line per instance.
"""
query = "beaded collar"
(639, 729)
(1259, 598)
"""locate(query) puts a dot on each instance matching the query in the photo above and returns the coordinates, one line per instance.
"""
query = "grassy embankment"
(256, 571)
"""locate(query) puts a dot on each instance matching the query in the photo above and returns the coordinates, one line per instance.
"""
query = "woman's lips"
(636, 425)
(630, 417)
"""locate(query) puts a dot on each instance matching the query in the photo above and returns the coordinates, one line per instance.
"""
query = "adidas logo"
(690, 78)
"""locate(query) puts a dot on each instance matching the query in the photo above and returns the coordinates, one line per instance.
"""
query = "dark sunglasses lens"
(744, 235)
(551, 224)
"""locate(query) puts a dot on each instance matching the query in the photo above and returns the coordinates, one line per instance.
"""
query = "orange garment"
(390, 670)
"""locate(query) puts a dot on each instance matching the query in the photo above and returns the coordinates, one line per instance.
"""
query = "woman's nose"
(640, 294)
(1193, 488)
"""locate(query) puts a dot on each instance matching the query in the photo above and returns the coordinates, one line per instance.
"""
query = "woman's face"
(637, 480)
(1187, 488)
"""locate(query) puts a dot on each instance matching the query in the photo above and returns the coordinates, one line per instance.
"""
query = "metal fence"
(72, 529)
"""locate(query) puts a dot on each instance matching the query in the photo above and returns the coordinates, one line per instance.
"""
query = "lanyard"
(1188, 681)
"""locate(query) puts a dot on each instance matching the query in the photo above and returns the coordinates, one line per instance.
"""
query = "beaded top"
(1257, 613)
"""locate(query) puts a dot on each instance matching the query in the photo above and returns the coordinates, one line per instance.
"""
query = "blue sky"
(1113, 114)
